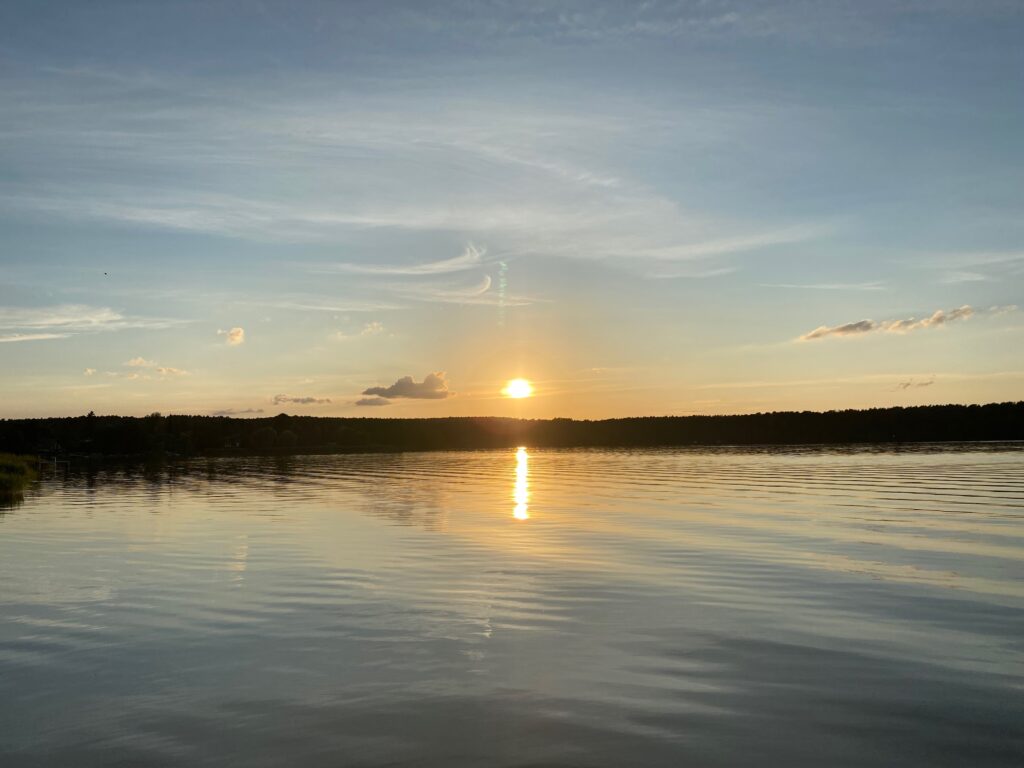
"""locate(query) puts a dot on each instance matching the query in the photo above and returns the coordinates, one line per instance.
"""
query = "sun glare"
(518, 388)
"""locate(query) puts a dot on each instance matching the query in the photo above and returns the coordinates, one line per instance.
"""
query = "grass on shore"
(16, 472)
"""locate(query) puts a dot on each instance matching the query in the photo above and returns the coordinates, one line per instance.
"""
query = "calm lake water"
(549, 608)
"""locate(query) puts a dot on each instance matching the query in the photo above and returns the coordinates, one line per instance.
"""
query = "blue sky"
(645, 208)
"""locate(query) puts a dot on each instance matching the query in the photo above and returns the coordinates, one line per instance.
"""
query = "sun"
(518, 389)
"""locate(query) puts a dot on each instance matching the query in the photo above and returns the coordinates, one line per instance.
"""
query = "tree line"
(184, 435)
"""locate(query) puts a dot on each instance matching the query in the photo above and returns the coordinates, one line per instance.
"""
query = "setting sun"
(518, 388)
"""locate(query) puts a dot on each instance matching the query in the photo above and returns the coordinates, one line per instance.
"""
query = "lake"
(804, 607)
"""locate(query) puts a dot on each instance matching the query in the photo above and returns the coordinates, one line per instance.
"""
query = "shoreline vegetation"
(16, 473)
(95, 436)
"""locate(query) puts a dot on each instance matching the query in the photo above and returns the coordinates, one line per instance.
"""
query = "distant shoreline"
(114, 437)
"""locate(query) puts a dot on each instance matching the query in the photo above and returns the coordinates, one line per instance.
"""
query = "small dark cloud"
(910, 383)
(373, 401)
(283, 399)
(433, 387)
(236, 411)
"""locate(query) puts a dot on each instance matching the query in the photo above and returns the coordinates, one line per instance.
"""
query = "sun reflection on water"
(521, 493)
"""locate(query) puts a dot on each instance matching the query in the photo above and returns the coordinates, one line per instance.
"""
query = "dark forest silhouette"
(93, 435)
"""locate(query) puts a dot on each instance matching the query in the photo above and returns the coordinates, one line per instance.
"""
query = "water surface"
(533, 608)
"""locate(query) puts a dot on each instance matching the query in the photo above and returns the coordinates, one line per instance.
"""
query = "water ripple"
(724, 607)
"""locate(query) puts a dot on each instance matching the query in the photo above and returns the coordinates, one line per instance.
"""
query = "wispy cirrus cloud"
(869, 286)
(8, 338)
(719, 246)
(70, 317)
(860, 327)
(697, 22)
(62, 321)
(955, 278)
(973, 266)
(689, 271)
(972, 259)
(452, 293)
(528, 180)
(630, 226)
(470, 258)
(319, 304)
(429, 288)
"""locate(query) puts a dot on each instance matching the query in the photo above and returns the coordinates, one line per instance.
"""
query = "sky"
(393, 208)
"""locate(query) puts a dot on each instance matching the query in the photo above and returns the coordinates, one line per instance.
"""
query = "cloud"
(938, 318)
(373, 328)
(12, 337)
(689, 271)
(875, 286)
(972, 260)
(954, 278)
(89, 372)
(433, 387)
(62, 321)
(141, 362)
(68, 316)
(720, 246)
(161, 371)
(530, 178)
(474, 293)
(1003, 310)
(235, 336)
(283, 399)
(976, 267)
(469, 258)
(318, 304)
(849, 329)
(373, 401)
(909, 383)
(236, 411)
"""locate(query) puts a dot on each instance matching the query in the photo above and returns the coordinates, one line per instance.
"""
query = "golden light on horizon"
(518, 389)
